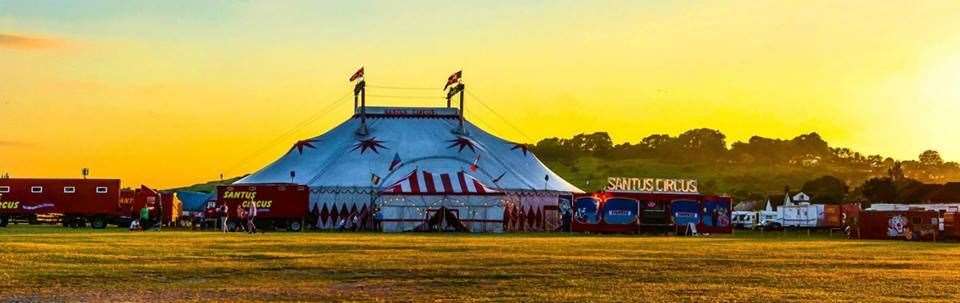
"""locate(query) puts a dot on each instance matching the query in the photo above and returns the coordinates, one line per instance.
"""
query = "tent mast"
(457, 89)
(462, 87)
(361, 89)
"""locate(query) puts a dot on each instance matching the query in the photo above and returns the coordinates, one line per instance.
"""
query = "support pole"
(462, 90)
(363, 102)
(363, 108)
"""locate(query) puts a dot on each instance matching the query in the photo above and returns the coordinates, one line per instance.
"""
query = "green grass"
(52, 263)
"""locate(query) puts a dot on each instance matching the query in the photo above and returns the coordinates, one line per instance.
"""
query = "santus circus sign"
(248, 198)
(8, 204)
(652, 185)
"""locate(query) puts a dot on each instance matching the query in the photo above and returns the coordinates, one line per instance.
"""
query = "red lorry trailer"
(80, 201)
(280, 205)
(632, 212)
(915, 224)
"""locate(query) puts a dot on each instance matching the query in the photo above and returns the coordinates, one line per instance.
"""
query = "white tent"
(354, 170)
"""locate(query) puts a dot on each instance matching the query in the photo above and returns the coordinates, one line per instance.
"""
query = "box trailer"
(279, 205)
(77, 201)
(631, 212)
(916, 224)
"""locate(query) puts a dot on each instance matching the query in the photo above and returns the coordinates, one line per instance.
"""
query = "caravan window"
(4, 189)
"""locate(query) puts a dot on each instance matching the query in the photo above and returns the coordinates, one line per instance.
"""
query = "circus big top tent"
(419, 169)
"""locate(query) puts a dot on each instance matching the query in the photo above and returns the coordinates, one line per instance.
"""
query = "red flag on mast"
(357, 74)
(453, 78)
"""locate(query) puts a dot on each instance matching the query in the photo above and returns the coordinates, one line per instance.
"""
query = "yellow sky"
(174, 93)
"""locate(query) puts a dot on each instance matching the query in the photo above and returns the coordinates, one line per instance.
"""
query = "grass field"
(52, 263)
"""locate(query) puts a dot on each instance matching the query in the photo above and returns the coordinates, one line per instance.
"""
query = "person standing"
(355, 222)
(251, 215)
(144, 217)
(224, 214)
(241, 217)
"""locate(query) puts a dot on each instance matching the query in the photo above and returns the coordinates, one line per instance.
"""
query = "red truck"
(160, 204)
(80, 201)
(280, 205)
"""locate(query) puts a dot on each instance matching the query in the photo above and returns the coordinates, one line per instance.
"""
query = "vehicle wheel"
(294, 226)
(79, 222)
(4, 220)
(232, 226)
(98, 222)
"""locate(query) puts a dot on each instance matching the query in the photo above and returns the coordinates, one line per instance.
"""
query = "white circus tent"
(403, 165)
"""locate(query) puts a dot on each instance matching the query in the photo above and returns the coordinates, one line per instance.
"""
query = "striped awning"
(424, 182)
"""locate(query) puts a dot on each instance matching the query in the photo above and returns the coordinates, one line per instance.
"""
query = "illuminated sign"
(651, 185)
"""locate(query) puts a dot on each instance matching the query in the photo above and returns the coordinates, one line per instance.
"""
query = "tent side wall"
(534, 211)
(329, 206)
(508, 212)
(479, 213)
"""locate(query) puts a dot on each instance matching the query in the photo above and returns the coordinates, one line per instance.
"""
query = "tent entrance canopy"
(443, 219)
(420, 182)
(476, 213)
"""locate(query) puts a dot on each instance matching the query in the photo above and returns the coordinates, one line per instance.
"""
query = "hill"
(746, 170)
(590, 174)
(207, 187)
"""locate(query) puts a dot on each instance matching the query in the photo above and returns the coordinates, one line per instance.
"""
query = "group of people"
(246, 215)
(351, 223)
(142, 221)
(245, 218)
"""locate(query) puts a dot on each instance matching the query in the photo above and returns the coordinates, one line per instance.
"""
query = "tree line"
(865, 174)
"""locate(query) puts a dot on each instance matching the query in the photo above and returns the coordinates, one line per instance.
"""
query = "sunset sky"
(170, 93)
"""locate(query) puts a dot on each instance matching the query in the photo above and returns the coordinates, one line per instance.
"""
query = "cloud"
(29, 43)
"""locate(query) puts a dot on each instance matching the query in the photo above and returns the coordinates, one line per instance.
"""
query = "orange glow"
(171, 96)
